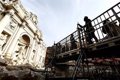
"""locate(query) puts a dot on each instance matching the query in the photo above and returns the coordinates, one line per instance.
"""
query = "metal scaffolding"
(75, 58)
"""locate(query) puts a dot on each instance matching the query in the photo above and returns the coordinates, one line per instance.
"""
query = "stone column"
(10, 39)
(14, 40)
(36, 53)
(4, 22)
(29, 54)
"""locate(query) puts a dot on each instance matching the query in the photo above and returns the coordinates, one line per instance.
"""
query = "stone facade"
(20, 39)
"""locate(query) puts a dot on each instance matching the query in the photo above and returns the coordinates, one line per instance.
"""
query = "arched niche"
(21, 49)
(23, 45)
(25, 39)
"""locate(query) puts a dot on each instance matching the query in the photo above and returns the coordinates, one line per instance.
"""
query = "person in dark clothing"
(89, 30)
(73, 42)
(58, 48)
(109, 28)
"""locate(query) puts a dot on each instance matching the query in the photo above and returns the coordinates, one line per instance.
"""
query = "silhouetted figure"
(63, 48)
(66, 47)
(72, 42)
(58, 48)
(109, 28)
(89, 30)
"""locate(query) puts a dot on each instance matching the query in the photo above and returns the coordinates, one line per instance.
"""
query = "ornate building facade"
(20, 39)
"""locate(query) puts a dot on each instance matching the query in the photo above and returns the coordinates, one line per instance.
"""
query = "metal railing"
(106, 27)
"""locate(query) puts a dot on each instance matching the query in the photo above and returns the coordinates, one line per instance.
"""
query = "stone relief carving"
(12, 25)
(3, 40)
(8, 5)
(9, 2)
(34, 51)
(21, 49)
(19, 55)
(27, 17)
(33, 18)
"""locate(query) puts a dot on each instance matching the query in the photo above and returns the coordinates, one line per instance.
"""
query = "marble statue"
(3, 40)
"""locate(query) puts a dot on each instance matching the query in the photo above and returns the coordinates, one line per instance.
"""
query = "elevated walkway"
(91, 61)
(106, 44)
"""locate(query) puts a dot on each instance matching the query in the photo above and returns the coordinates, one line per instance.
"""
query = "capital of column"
(22, 25)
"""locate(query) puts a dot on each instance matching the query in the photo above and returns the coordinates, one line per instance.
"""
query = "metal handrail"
(112, 16)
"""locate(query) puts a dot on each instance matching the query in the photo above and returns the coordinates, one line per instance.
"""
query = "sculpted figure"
(3, 40)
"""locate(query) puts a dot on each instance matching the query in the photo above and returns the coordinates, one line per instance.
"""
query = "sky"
(59, 18)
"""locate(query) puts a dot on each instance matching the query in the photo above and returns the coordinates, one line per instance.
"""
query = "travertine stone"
(20, 39)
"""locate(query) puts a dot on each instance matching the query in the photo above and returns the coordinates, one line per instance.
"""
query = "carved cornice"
(8, 4)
